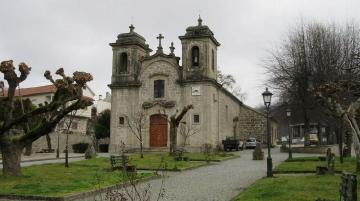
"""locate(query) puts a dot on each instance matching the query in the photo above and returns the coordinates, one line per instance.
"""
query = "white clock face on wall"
(195, 91)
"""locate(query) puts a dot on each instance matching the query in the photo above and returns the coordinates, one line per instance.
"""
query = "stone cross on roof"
(199, 21)
(131, 28)
(172, 48)
(160, 37)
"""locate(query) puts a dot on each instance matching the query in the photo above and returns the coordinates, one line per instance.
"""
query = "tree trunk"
(11, 158)
(340, 132)
(48, 141)
(141, 150)
(306, 128)
(172, 138)
(319, 134)
(28, 149)
(67, 151)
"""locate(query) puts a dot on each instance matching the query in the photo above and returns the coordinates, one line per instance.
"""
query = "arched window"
(159, 88)
(195, 56)
(213, 60)
(123, 63)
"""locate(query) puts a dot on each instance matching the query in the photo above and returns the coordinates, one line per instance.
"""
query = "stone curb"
(74, 196)
(298, 172)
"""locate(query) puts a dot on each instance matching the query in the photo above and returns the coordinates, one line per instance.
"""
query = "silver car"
(250, 143)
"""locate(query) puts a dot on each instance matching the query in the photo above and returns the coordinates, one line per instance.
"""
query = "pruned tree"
(68, 97)
(311, 55)
(136, 124)
(174, 121)
(186, 131)
(229, 83)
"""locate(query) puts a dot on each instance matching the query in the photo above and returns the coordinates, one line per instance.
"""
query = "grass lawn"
(293, 188)
(299, 187)
(55, 180)
(310, 165)
(153, 161)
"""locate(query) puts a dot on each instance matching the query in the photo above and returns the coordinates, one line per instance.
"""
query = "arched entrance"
(158, 130)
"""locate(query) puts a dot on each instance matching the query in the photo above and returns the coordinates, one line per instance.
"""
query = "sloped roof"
(34, 90)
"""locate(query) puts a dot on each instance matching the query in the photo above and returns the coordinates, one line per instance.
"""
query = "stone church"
(157, 85)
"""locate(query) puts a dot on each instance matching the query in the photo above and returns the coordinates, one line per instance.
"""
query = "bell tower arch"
(199, 53)
(128, 50)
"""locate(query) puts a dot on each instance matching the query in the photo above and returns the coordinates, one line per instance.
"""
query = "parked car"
(313, 139)
(250, 143)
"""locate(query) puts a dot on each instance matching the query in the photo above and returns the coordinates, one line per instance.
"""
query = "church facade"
(155, 86)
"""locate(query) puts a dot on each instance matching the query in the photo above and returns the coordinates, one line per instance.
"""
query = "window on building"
(227, 112)
(74, 125)
(195, 54)
(123, 63)
(121, 121)
(196, 119)
(159, 88)
(213, 60)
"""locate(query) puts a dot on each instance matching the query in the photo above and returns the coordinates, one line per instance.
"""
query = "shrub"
(80, 147)
(104, 148)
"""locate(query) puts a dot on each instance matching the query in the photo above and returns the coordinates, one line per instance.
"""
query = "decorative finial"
(172, 48)
(159, 50)
(199, 21)
(131, 28)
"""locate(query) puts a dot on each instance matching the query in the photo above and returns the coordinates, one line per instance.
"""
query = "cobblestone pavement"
(216, 182)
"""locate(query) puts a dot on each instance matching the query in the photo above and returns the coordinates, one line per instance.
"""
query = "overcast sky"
(74, 34)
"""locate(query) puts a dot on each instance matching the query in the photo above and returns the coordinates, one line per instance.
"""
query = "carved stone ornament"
(162, 103)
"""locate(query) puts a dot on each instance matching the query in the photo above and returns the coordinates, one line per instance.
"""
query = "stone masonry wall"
(78, 136)
(251, 124)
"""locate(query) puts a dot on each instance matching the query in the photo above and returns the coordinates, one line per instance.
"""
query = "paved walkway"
(218, 182)
(45, 158)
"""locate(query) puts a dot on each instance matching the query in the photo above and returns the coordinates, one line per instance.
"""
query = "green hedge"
(80, 147)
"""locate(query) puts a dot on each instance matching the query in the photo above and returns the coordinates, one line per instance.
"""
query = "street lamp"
(288, 115)
(267, 102)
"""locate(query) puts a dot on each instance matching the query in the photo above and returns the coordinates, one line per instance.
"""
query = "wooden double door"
(158, 131)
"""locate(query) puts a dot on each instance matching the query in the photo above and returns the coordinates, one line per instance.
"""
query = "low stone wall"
(74, 138)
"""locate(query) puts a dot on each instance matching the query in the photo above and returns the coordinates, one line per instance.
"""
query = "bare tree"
(68, 123)
(311, 55)
(136, 123)
(229, 83)
(186, 131)
(331, 96)
(69, 93)
(174, 122)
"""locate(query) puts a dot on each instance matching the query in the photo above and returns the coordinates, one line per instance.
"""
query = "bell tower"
(128, 50)
(199, 53)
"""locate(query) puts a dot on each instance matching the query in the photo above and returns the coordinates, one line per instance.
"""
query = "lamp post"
(267, 101)
(288, 115)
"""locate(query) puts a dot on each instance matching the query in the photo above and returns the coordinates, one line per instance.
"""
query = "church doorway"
(158, 130)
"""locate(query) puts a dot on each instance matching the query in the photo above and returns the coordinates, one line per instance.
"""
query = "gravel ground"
(216, 182)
